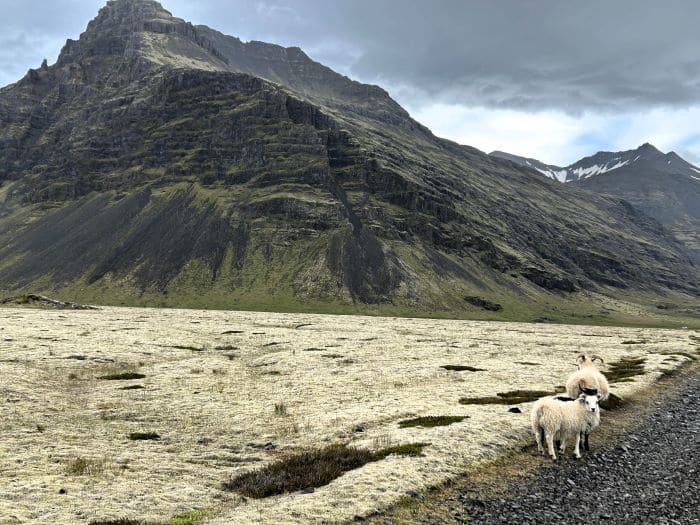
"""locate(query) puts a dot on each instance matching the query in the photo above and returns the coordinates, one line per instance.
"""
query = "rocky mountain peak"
(143, 29)
(648, 151)
(128, 12)
(647, 147)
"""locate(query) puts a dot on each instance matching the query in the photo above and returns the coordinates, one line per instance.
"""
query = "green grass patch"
(513, 397)
(312, 468)
(431, 421)
(191, 517)
(122, 376)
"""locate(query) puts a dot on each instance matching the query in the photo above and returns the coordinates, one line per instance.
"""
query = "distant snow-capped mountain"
(662, 185)
(645, 157)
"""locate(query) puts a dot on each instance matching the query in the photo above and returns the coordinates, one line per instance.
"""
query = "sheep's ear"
(599, 396)
(595, 356)
(580, 359)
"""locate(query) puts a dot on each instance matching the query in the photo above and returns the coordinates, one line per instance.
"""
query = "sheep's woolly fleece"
(588, 375)
(212, 380)
(563, 421)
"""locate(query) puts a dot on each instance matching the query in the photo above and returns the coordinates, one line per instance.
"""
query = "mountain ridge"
(158, 160)
(663, 185)
(604, 162)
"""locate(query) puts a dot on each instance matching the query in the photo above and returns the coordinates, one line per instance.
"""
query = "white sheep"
(561, 418)
(588, 380)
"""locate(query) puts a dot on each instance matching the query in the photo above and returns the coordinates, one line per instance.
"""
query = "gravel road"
(649, 475)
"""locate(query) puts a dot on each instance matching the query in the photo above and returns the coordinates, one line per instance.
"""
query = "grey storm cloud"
(523, 54)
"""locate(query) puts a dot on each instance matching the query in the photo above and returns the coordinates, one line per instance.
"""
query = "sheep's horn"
(595, 356)
(589, 391)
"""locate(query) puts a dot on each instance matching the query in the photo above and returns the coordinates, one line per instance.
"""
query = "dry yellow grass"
(211, 386)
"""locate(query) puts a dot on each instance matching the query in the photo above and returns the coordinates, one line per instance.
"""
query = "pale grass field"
(214, 407)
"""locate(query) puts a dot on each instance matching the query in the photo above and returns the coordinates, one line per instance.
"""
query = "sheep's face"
(590, 402)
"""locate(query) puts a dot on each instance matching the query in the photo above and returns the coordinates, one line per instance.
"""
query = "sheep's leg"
(562, 444)
(585, 442)
(577, 452)
(549, 436)
(539, 437)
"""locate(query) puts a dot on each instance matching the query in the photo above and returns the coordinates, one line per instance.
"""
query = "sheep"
(558, 417)
(588, 380)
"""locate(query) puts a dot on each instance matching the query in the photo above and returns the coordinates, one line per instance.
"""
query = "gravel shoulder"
(644, 467)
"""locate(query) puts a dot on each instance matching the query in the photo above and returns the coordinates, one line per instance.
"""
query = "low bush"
(122, 376)
(81, 466)
(143, 436)
(312, 468)
(513, 397)
(625, 368)
(431, 421)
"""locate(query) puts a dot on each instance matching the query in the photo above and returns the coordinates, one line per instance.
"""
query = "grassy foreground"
(178, 402)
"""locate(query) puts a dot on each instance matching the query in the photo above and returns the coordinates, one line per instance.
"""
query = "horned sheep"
(560, 418)
(588, 380)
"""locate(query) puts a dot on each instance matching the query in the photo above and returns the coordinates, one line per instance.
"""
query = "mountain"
(662, 185)
(549, 170)
(161, 163)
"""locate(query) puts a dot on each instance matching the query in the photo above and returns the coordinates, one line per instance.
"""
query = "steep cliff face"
(160, 159)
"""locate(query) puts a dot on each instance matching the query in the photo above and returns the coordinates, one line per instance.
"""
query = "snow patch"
(694, 177)
(694, 169)
(559, 175)
(584, 173)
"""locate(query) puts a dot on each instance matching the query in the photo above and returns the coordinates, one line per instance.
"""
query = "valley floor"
(227, 392)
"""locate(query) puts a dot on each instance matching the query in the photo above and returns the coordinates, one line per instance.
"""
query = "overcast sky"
(550, 79)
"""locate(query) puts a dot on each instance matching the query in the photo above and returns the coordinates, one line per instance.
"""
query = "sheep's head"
(589, 402)
(586, 361)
